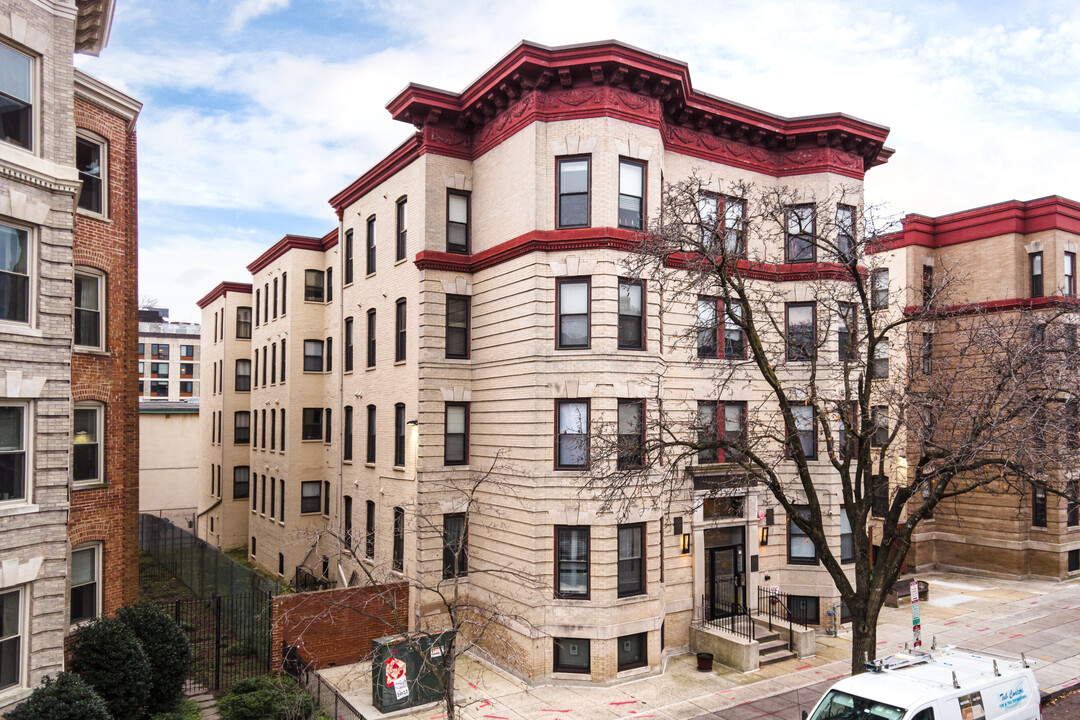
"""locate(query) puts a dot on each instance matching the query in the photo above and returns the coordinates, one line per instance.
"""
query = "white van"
(948, 684)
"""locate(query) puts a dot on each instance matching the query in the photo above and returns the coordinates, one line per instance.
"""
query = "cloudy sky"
(257, 111)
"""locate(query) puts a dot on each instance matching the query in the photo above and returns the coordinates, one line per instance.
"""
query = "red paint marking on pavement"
(496, 717)
(550, 710)
(983, 629)
(1015, 636)
(473, 686)
(623, 702)
(804, 667)
(883, 642)
(1071, 682)
(484, 704)
(835, 677)
(1034, 602)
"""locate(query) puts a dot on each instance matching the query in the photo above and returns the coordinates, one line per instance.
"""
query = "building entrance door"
(725, 581)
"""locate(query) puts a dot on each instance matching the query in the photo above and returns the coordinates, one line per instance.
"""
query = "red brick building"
(103, 526)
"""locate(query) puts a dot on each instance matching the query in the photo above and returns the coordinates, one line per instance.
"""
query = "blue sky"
(257, 111)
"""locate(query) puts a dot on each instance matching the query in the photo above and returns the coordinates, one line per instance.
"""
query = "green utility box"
(409, 670)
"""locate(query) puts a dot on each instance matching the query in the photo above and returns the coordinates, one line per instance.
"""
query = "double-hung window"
(313, 356)
(879, 289)
(311, 424)
(398, 558)
(329, 285)
(631, 543)
(710, 344)
(15, 264)
(708, 209)
(89, 303)
(631, 315)
(631, 194)
(801, 549)
(455, 545)
(631, 451)
(572, 561)
(241, 481)
(733, 233)
(348, 261)
(845, 233)
(730, 415)
(707, 433)
(87, 461)
(275, 303)
(457, 221)
(90, 157)
(369, 530)
(399, 435)
(16, 97)
(85, 584)
(347, 352)
(371, 337)
(927, 285)
(805, 430)
(241, 427)
(1035, 265)
(399, 330)
(243, 375)
(1070, 274)
(347, 429)
(572, 313)
(456, 437)
(572, 434)
(879, 419)
(1038, 506)
(881, 359)
(243, 323)
(572, 177)
(12, 644)
(847, 538)
(402, 227)
(879, 504)
(457, 326)
(370, 266)
(370, 449)
(314, 286)
(848, 332)
(1072, 506)
(800, 245)
(707, 343)
(801, 331)
(310, 496)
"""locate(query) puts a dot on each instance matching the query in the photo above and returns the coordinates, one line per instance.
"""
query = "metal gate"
(229, 635)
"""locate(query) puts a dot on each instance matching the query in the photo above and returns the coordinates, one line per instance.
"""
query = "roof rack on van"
(991, 654)
(899, 660)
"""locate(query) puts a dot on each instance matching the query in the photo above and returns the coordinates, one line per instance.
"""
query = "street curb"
(1050, 697)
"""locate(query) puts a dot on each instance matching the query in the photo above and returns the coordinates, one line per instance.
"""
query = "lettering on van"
(1012, 697)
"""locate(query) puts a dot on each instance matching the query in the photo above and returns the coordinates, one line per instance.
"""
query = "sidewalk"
(1041, 619)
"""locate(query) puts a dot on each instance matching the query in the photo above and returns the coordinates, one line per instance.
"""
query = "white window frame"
(19, 326)
(99, 412)
(101, 279)
(98, 548)
(35, 98)
(103, 145)
(24, 631)
(28, 453)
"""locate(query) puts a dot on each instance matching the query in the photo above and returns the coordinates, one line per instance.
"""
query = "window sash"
(571, 655)
(400, 337)
(310, 496)
(847, 538)
(86, 450)
(806, 429)
(348, 262)
(879, 289)
(371, 338)
(84, 584)
(241, 428)
(243, 375)
(1035, 261)
(801, 332)
(573, 199)
(314, 286)
(631, 560)
(15, 264)
(241, 481)
(801, 549)
(457, 326)
(1070, 274)
(457, 221)
(573, 321)
(370, 457)
(1038, 507)
(347, 429)
(398, 560)
(456, 437)
(572, 434)
(734, 221)
(311, 426)
(13, 433)
(88, 306)
(845, 233)
(631, 194)
(572, 561)
(370, 245)
(348, 350)
(313, 356)
(631, 316)
(455, 545)
(399, 435)
(631, 430)
(402, 227)
(800, 244)
(847, 333)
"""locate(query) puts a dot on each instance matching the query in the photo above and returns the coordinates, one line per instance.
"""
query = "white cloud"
(250, 9)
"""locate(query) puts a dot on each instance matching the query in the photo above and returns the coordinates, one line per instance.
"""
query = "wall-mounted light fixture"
(686, 544)
(413, 423)
(763, 535)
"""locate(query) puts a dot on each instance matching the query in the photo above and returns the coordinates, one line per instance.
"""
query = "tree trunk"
(863, 639)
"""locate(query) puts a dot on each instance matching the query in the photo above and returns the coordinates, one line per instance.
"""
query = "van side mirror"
(805, 714)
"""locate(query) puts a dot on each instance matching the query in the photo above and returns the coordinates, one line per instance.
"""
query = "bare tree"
(148, 302)
(459, 599)
(920, 395)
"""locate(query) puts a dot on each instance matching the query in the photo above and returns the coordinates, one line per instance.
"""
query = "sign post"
(916, 625)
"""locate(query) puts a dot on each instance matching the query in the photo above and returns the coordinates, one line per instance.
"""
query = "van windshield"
(839, 705)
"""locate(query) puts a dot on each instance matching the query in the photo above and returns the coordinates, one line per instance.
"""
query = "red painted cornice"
(536, 83)
(996, 306)
(1013, 216)
(616, 239)
(223, 289)
(404, 154)
(294, 242)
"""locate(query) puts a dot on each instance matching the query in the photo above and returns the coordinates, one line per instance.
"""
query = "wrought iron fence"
(197, 564)
(782, 607)
(326, 696)
(229, 635)
(719, 615)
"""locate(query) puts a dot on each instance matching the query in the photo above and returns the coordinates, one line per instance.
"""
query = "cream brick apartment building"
(68, 432)
(472, 310)
(467, 312)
